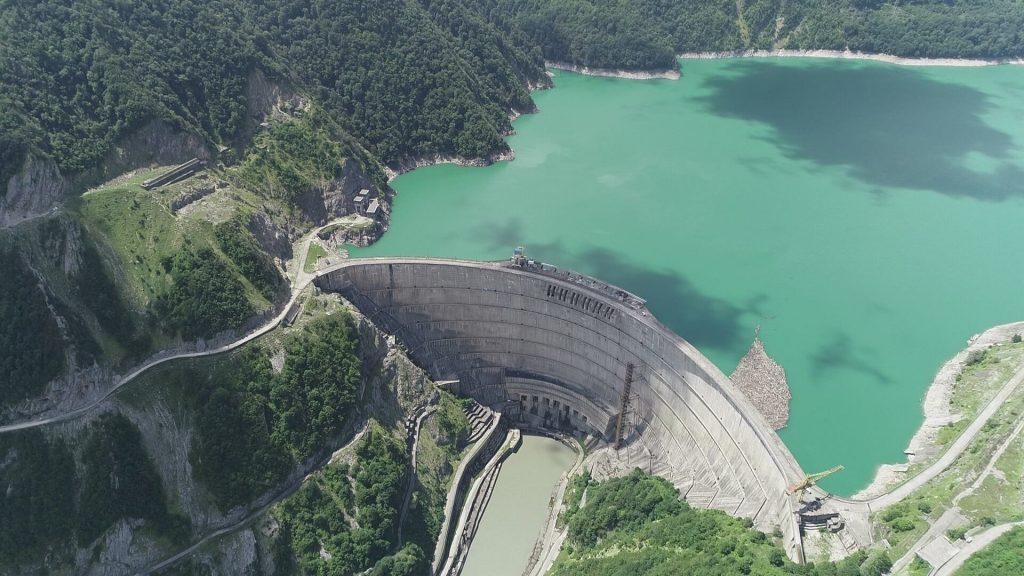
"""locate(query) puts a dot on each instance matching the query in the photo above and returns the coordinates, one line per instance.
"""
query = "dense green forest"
(404, 78)
(241, 247)
(638, 525)
(645, 34)
(36, 510)
(205, 298)
(317, 525)
(1003, 556)
(118, 481)
(253, 425)
(46, 505)
(31, 347)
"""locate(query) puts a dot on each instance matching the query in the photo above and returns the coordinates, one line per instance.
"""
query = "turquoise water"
(867, 216)
(518, 509)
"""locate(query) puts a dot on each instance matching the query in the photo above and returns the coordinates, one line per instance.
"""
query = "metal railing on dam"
(476, 321)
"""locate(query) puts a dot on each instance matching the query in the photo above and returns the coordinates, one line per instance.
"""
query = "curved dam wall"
(509, 331)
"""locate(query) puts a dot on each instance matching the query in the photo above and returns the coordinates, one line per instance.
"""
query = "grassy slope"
(141, 231)
(1000, 498)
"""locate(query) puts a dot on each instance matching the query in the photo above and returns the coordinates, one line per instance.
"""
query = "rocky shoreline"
(937, 413)
(613, 73)
(398, 168)
(848, 55)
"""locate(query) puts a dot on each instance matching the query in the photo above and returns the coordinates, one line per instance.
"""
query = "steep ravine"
(157, 405)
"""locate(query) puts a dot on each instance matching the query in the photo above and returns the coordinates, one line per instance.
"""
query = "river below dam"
(867, 216)
(518, 508)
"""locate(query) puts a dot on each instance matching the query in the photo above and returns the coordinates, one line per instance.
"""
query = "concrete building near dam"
(567, 350)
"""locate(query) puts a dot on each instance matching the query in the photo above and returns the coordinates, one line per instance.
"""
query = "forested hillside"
(405, 78)
(645, 34)
(638, 525)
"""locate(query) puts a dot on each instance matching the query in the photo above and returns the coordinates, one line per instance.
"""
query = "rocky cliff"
(37, 189)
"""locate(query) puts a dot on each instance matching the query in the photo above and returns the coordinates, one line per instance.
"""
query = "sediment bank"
(396, 169)
(848, 55)
(613, 73)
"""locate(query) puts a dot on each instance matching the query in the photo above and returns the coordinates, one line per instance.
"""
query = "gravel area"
(763, 381)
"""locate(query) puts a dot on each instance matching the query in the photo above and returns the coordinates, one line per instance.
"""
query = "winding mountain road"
(303, 279)
(152, 363)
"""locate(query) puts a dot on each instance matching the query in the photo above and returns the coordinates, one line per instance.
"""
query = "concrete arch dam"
(530, 335)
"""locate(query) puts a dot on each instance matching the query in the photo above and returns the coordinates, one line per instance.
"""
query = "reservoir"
(518, 508)
(868, 217)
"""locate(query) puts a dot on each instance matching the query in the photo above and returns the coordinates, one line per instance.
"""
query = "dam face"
(555, 347)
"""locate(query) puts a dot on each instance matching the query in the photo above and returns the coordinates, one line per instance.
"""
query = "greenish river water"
(518, 508)
(867, 216)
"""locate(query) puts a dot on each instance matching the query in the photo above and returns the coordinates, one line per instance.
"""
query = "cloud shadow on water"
(703, 320)
(888, 126)
(840, 353)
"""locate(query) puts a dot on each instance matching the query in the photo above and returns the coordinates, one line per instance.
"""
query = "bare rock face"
(40, 187)
(155, 143)
(763, 382)
(356, 235)
(274, 239)
(37, 189)
(391, 380)
(336, 198)
(268, 99)
(72, 259)
(114, 547)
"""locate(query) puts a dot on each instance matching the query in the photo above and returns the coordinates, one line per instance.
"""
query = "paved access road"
(979, 541)
(946, 460)
(302, 280)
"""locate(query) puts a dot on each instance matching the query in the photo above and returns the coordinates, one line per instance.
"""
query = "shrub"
(253, 425)
(903, 524)
(893, 512)
(876, 565)
(975, 357)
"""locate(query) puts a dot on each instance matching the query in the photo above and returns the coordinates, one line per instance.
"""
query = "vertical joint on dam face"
(556, 346)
